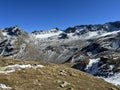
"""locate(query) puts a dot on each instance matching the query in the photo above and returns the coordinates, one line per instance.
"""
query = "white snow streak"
(7, 71)
(109, 33)
(12, 68)
(17, 66)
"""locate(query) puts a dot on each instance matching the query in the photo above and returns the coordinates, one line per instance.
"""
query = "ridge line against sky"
(46, 14)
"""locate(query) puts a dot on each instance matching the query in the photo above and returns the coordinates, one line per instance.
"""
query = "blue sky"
(46, 14)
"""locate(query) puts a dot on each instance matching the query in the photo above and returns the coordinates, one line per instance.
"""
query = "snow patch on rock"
(4, 33)
(3, 86)
(92, 67)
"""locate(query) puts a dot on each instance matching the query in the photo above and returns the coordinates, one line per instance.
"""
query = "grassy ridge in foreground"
(50, 77)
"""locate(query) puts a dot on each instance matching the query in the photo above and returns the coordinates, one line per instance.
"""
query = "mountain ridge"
(85, 33)
(79, 44)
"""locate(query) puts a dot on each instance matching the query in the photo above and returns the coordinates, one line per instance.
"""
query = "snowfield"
(47, 35)
(12, 68)
(113, 79)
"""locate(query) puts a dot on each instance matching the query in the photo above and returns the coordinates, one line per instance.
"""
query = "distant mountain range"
(94, 49)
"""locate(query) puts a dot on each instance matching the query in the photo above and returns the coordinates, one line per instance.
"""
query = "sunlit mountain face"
(94, 49)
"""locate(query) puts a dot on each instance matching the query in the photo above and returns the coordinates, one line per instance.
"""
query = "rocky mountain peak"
(109, 26)
(116, 24)
(13, 31)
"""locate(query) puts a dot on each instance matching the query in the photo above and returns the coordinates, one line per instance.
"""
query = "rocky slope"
(60, 46)
(26, 75)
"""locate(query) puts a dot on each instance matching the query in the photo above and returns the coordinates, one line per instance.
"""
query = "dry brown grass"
(50, 77)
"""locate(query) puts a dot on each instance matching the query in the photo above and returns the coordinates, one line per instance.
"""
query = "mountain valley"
(92, 49)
